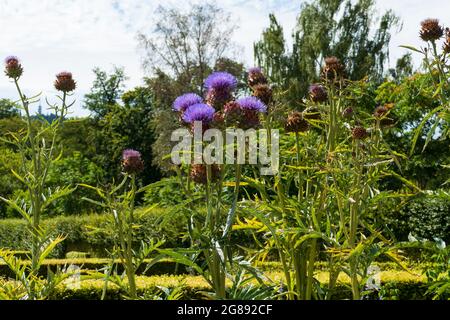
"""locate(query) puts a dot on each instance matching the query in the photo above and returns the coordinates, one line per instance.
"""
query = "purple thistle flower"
(199, 112)
(13, 69)
(318, 93)
(64, 82)
(185, 101)
(252, 103)
(132, 162)
(130, 153)
(11, 59)
(256, 77)
(254, 70)
(221, 81)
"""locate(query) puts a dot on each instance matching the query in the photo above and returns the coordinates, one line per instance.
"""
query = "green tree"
(8, 109)
(180, 52)
(342, 28)
(105, 92)
(122, 121)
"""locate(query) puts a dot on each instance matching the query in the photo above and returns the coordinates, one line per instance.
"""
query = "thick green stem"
(129, 245)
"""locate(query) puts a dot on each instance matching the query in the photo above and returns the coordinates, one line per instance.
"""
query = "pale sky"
(76, 35)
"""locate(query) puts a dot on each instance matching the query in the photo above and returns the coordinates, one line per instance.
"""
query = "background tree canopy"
(346, 29)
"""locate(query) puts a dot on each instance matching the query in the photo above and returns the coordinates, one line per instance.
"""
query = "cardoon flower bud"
(255, 77)
(198, 173)
(132, 162)
(250, 119)
(431, 30)
(359, 133)
(312, 113)
(333, 69)
(232, 113)
(220, 87)
(263, 92)
(13, 68)
(296, 123)
(318, 93)
(347, 113)
(64, 82)
(218, 120)
(380, 112)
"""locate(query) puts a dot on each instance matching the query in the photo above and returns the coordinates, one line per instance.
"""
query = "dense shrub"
(192, 287)
(425, 215)
(93, 233)
(72, 170)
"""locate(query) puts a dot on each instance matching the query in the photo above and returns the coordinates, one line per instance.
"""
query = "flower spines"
(64, 82)
(13, 68)
(132, 162)
(318, 93)
(263, 92)
(359, 133)
(256, 77)
(296, 123)
(333, 69)
(431, 30)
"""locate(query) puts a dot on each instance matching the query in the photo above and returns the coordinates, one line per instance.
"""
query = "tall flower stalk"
(38, 155)
(119, 202)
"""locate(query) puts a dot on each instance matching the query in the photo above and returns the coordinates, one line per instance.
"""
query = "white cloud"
(77, 35)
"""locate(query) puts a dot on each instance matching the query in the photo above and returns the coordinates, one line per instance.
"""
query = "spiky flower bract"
(263, 92)
(296, 123)
(318, 93)
(431, 30)
(132, 162)
(64, 82)
(13, 69)
(333, 69)
(256, 77)
(359, 133)
(185, 101)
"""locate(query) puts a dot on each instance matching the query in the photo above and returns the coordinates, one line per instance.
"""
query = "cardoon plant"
(332, 162)
(38, 156)
(119, 201)
(436, 62)
(211, 236)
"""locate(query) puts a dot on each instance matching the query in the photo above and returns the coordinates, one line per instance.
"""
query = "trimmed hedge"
(402, 286)
(159, 268)
(93, 234)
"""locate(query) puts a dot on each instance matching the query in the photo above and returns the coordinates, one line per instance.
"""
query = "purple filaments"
(254, 70)
(130, 153)
(221, 81)
(11, 59)
(199, 112)
(252, 103)
(185, 101)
